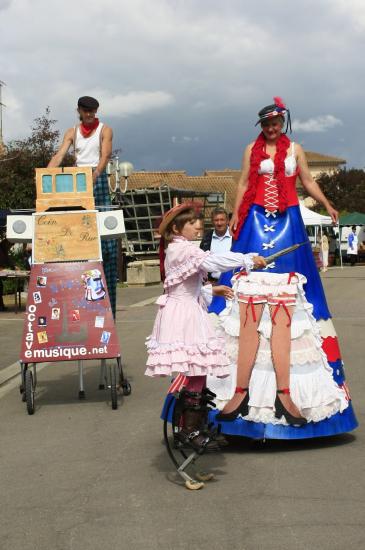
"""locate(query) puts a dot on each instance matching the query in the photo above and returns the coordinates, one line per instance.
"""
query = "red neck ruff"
(87, 129)
(257, 155)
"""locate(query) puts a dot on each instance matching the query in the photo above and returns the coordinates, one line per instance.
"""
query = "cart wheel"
(113, 387)
(29, 391)
(126, 387)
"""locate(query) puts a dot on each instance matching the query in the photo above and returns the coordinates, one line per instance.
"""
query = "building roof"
(318, 158)
(139, 180)
(181, 181)
(235, 174)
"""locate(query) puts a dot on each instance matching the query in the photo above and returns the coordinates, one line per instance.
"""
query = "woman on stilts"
(287, 379)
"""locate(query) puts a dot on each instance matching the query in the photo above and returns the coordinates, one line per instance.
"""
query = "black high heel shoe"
(242, 409)
(280, 411)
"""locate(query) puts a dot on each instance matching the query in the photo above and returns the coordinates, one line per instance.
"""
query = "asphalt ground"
(77, 475)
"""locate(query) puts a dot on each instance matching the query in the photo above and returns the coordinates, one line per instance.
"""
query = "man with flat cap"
(92, 146)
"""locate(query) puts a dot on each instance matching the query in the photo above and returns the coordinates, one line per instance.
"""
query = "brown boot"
(192, 431)
(207, 400)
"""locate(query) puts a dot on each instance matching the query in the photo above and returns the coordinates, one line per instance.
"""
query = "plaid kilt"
(109, 248)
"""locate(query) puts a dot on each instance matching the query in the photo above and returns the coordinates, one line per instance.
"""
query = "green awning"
(354, 218)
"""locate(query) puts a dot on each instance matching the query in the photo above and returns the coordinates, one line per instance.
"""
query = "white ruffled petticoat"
(312, 386)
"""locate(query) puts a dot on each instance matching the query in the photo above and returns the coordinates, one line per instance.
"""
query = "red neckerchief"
(87, 129)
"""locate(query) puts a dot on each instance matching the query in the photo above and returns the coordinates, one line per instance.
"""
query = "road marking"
(349, 318)
(10, 385)
(14, 377)
(9, 372)
(147, 302)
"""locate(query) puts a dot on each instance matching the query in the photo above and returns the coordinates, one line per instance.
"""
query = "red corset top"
(267, 192)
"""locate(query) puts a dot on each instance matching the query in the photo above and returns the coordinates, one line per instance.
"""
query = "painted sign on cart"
(65, 237)
(68, 315)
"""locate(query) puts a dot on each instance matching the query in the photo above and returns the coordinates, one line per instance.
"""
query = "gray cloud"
(188, 68)
(4, 4)
(318, 124)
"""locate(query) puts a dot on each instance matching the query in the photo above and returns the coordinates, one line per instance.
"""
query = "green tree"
(17, 166)
(345, 189)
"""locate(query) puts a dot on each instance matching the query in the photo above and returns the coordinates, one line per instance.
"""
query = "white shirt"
(220, 245)
(87, 150)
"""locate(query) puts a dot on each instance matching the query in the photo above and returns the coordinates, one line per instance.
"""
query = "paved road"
(77, 475)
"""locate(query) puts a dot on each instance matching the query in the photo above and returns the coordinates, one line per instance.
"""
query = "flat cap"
(87, 102)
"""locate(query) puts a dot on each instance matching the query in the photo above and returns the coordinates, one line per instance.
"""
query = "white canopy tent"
(317, 220)
(313, 218)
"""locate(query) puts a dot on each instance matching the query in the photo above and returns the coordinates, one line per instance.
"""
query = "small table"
(18, 276)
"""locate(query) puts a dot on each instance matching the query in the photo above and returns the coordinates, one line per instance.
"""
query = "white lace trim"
(181, 272)
(193, 360)
(248, 261)
(274, 279)
(315, 394)
(264, 283)
(212, 345)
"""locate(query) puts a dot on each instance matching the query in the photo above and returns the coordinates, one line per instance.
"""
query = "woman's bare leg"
(248, 344)
(280, 351)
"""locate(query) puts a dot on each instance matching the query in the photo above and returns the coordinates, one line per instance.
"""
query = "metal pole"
(339, 239)
(1, 111)
(102, 374)
(81, 376)
(321, 244)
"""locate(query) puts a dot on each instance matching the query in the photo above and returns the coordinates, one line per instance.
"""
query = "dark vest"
(206, 241)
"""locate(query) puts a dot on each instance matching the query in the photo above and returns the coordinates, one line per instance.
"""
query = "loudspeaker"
(111, 224)
(19, 228)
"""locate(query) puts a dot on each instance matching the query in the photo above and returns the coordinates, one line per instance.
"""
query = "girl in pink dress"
(183, 341)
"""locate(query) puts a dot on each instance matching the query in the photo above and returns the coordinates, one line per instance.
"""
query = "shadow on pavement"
(240, 444)
(64, 390)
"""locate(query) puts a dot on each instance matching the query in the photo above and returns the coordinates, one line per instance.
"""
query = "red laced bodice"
(267, 194)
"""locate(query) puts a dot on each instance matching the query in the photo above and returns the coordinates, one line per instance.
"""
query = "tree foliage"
(345, 189)
(17, 166)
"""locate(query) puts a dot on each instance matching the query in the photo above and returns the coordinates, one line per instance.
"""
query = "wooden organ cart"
(68, 315)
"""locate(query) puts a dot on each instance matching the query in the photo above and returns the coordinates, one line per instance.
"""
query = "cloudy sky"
(181, 81)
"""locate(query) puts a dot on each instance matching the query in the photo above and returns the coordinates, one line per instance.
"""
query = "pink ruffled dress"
(183, 339)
